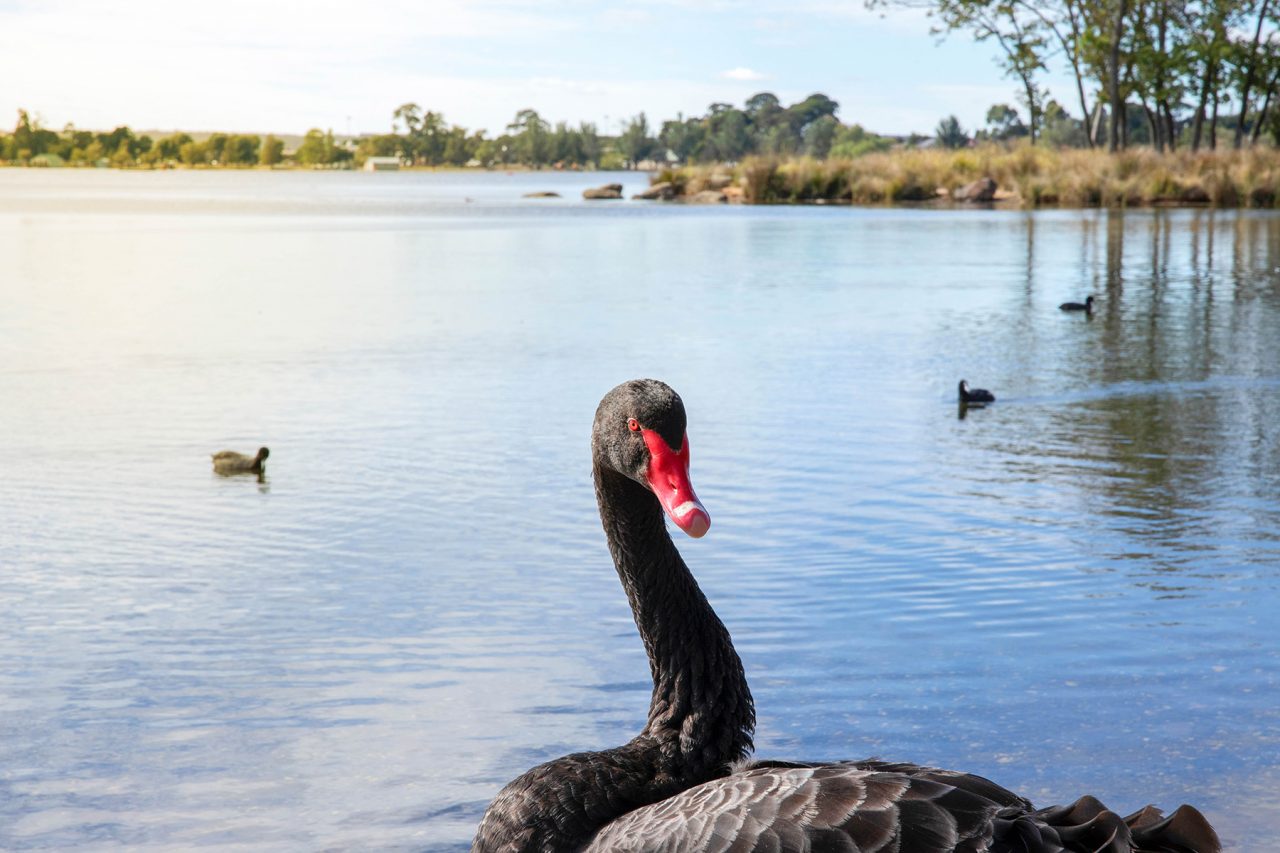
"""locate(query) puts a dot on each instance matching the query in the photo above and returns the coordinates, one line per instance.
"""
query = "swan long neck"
(701, 715)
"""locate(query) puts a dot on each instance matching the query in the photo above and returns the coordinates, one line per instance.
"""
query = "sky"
(272, 66)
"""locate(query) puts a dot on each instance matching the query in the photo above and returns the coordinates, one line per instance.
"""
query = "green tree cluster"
(853, 141)
(31, 144)
(426, 139)
(321, 149)
(1161, 72)
(763, 126)
(36, 145)
(530, 140)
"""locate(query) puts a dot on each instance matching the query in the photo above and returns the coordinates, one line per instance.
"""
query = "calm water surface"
(1074, 590)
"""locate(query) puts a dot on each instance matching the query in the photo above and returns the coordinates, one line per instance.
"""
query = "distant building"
(381, 164)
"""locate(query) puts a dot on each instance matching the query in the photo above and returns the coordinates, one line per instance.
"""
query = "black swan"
(975, 395)
(685, 783)
(1086, 306)
(230, 462)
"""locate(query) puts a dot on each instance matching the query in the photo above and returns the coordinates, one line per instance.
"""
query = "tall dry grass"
(1027, 176)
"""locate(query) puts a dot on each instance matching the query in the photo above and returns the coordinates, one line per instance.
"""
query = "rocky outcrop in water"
(983, 189)
(607, 191)
(707, 197)
(663, 191)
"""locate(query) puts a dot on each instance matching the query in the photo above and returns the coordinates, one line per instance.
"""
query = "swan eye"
(633, 424)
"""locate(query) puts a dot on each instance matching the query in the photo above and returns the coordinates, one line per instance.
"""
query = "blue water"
(1071, 591)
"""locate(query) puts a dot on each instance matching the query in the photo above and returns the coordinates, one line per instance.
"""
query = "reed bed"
(1026, 176)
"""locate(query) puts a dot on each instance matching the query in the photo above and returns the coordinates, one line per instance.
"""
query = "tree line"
(31, 143)
(724, 134)
(1164, 117)
(423, 137)
(1201, 73)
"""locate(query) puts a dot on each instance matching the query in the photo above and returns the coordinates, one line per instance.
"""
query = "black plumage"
(1086, 306)
(684, 783)
(975, 395)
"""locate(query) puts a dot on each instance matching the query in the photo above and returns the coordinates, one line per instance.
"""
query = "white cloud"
(742, 74)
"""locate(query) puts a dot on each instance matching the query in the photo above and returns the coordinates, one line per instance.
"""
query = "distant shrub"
(612, 161)
(760, 181)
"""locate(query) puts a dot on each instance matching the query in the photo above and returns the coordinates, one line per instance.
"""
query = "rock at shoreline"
(605, 192)
(983, 189)
(542, 194)
(719, 180)
(707, 197)
(662, 191)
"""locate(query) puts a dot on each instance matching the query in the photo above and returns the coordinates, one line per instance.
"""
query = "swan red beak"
(668, 476)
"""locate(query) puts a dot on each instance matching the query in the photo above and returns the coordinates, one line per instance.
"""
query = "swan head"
(263, 453)
(639, 432)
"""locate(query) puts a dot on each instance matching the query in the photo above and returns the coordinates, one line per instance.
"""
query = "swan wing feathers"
(878, 807)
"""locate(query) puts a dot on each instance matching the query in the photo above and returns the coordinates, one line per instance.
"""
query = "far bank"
(1024, 176)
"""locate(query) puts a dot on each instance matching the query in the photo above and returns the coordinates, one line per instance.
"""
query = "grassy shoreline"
(1026, 177)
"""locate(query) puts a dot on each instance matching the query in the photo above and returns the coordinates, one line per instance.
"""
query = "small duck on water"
(975, 395)
(1086, 306)
(230, 462)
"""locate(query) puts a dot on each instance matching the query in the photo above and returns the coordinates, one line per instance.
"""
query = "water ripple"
(1070, 590)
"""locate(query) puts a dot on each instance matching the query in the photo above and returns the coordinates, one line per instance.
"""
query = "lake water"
(1072, 591)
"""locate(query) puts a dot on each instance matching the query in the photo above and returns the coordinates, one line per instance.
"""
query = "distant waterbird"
(1086, 306)
(228, 462)
(975, 395)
